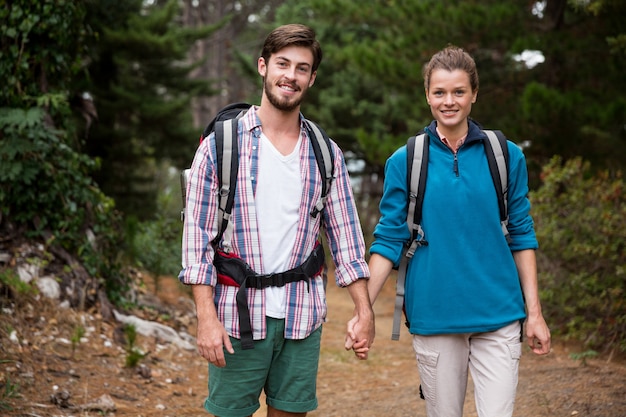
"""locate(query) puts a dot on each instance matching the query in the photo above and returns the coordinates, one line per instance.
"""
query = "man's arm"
(380, 268)
(537, 331)
(212, 338)
(363, 328)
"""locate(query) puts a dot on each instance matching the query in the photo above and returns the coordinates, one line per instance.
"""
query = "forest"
(103, 101)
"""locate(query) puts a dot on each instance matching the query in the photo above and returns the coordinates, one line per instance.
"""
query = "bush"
(581, 226)
(157, 247)
(46, 190)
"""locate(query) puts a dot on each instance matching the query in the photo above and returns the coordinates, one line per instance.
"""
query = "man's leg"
(292, 379)
(272, 412)
(234, 390)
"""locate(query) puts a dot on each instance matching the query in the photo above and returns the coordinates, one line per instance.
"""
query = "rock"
(103, 404)
(27, 272)
(154, 329)
(144, 371)
(61, 399)
(49, 287)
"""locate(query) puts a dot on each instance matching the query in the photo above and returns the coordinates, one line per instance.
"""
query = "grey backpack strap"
(417, 161)
(228, 165)
(184, 179)
(325, 161)
(497, 157)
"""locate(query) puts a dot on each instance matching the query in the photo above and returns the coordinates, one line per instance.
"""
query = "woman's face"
(450, 97)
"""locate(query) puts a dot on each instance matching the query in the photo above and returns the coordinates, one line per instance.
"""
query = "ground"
(48, 369)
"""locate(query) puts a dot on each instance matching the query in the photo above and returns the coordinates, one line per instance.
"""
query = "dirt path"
(173, 382)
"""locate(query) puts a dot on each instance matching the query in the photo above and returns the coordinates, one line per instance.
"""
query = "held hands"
(212, 339)
(360, 334)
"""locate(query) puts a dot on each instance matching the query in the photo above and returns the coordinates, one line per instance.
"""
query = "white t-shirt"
(278, 194)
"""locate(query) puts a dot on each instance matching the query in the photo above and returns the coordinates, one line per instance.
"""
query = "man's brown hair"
(292, 35)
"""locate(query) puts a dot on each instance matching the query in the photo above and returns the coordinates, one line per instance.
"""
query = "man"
(277, 188)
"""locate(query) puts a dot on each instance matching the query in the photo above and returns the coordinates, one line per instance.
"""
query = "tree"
(229, 54)
(575, 104)
(139, 78)
(571, 104)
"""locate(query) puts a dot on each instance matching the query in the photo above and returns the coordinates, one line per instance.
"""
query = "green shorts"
(285, 369)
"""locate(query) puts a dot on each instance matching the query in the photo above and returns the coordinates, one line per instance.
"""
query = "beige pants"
(493, 360)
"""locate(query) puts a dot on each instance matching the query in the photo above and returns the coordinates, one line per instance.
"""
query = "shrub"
(45, 189)
(581, 226)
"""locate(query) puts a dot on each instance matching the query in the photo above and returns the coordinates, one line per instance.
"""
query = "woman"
(468, 292)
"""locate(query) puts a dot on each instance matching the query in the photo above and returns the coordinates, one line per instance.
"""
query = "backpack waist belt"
(233, 271)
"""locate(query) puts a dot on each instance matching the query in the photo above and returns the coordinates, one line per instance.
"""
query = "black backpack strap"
(497, 153)
(231, 111)
(325, 161)
(226, 144)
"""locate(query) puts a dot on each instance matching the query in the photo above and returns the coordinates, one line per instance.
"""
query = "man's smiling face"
(287, 77)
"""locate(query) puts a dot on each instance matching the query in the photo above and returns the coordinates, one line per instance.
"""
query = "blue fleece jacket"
(465, 280)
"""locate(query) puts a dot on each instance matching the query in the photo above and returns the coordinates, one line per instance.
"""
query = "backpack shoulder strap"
(497, 153)
(417, 170)
(325, 161)
(226, 144)
(417, 163)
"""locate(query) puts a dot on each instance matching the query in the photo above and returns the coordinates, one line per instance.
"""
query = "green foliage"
(34, 156)
(133, 354)
(579, 108)
(583, 356)
(77, 334)
(8, 390)
(28, 65)
(45, 186)
(156, 246)
(10, 281)
(581, 227)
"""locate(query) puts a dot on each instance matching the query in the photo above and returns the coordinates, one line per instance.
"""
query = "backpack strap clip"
(418, 242)
(319, 206)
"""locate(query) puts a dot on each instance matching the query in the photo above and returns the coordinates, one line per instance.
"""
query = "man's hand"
(359, 344)
(212, 340)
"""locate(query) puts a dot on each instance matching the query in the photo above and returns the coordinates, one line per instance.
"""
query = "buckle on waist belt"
(264, 281)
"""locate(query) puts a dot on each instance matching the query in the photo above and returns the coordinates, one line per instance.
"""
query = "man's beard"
(284, 105)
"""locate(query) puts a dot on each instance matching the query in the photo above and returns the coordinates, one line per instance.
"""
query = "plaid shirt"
(306, 301)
